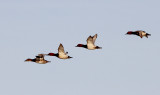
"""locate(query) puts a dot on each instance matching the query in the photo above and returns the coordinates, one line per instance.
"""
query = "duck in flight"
(39, 59)
(61, 53)
(90, 43)
(138, 33)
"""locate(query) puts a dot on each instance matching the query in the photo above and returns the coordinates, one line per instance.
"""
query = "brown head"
(129, 32)
(80, 45)
(28, 60)
(51, 54)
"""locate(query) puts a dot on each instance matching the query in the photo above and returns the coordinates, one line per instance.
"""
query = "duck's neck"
(84, 46)
(56, 54)
(135, 33)
(33, 60)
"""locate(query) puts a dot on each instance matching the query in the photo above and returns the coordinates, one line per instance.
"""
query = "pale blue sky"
(127, 65)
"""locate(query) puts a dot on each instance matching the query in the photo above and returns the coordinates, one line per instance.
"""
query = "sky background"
(126, 65)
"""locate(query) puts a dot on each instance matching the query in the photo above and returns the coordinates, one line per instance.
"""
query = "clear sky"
(127, 65)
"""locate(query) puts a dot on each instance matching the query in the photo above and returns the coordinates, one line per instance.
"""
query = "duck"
(61, 53)
(39, 59)
(90, 43)
(138, 33)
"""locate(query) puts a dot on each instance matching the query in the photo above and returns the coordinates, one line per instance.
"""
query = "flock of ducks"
(90, 46)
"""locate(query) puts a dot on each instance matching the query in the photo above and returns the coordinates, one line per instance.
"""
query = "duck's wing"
(40, 57)
(90, 42)
(140, 34)
(37, 58)
(61, 50)
(94, 38)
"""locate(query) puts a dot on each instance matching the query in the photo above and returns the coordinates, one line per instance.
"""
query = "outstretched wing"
(40, 57)
(90, 43)
(94, 38)
(90, 40)
(61, 50)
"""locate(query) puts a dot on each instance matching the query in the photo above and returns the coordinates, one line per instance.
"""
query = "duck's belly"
(90, 46)
(63, 56)
(41, 62)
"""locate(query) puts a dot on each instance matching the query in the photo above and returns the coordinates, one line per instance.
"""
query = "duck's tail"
(148, 35)
(97, 47)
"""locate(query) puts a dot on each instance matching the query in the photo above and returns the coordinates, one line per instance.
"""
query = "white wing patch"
(94, 38)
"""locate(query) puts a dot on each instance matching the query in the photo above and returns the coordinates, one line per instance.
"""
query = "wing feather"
(40, 57)
(90, 43)
(61, 49)
(90, 40)
(94, 38)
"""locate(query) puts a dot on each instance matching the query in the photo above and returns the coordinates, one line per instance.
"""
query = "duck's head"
(129, 33)
(51, 54)
(80, 45)
(28, 59)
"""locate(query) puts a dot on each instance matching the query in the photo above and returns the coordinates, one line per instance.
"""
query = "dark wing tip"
(60, 44)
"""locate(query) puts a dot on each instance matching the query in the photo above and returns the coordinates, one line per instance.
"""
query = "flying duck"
(90, 43)
(39, 59)
(138, 33)
(61, 53)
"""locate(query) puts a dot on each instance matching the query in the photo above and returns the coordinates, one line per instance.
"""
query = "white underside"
(63, 56)
(41, 62)
(91, 46)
